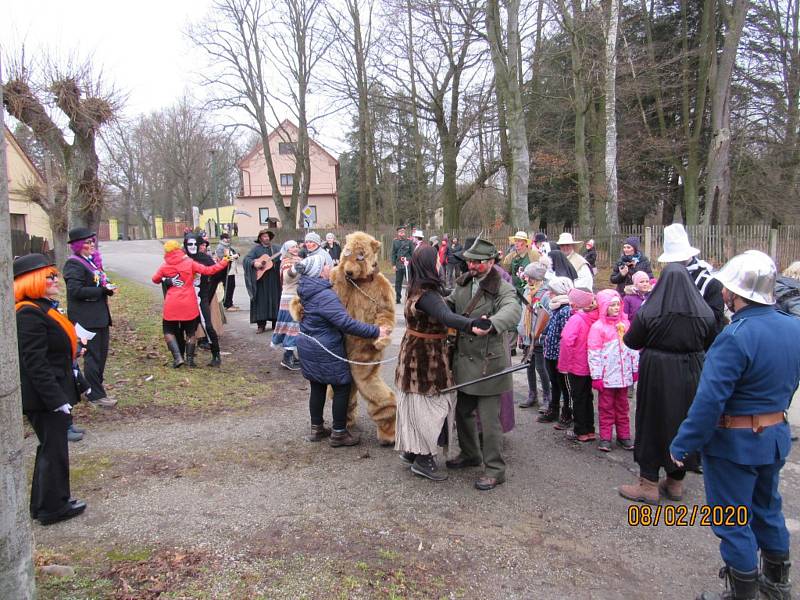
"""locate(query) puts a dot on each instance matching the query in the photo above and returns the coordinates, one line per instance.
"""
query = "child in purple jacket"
(636, 294)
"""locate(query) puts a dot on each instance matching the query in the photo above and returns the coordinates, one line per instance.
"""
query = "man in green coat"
(481, 292)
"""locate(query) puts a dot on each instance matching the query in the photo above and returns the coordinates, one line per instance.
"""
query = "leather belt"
(754, 422)
(427, 336)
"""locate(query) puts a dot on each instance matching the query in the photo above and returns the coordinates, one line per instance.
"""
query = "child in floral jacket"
(614, 367)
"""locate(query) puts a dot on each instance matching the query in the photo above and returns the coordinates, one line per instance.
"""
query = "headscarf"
(286, 247)
(675, 294)
(560, 287)
(561, 265)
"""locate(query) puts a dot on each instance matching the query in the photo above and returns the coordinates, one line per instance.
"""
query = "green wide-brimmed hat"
(480, 250)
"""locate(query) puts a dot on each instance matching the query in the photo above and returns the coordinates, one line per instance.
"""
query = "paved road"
(556, 529)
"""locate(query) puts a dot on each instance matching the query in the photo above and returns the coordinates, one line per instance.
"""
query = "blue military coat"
(753, 367)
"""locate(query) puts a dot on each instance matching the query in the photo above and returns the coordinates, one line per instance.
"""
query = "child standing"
(636, 294)
(614, 367)
(574, 362)
(560, 312)
(535, 294)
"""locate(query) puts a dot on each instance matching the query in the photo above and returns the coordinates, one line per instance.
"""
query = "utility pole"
(218, 227)
(16, 542)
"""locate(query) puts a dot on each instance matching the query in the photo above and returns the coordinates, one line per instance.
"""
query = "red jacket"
(180, 303)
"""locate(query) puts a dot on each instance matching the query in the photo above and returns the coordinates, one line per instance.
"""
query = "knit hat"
(633, 241)
(580, 298)
(536, 270)
(313, 237)
(560, 285)
(171, 246)
(640, 276)
(311, 266)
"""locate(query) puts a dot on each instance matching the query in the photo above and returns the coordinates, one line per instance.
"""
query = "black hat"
(80, 233)
(225, 235)
(540, 237)
(30, 262)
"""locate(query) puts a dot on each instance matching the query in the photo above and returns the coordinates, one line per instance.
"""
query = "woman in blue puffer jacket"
(323, 321)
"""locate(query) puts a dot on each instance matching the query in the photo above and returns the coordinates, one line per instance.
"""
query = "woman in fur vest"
(423, 368)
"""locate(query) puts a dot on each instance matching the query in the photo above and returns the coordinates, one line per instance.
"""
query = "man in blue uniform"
(737, 421)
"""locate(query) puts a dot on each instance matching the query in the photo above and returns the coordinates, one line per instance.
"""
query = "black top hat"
(80, 233)
(30, 262)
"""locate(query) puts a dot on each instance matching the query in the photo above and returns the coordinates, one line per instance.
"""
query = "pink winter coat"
(573, 354)
(609, 359)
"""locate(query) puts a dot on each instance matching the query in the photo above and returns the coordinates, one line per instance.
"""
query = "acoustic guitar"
(264, 264)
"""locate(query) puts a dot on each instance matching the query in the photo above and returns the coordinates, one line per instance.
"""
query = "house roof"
(285, 125)
(27, 159)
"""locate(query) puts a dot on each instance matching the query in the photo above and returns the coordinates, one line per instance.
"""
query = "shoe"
(563, 424)
(77, 429)
(73, 435)
(292, 364)
(530, 402)
(543, 408)
(604, 446)
(425, 465)
(738, 586)
(73, 509)
(487, 483)
(774, 580)
(644, 491)
(671, 488)
(344, 438)
(318, 433)
(103, 402)
(407, 457)
(261, 330)
(625, 443)
(547, 417)
(191, 351)
(397, 302)
(204, 345)
(583, 437)
(459, 462)
(216, 359)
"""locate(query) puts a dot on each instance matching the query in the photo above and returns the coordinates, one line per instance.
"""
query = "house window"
(285, 147)
(18, 222)
(263, 216)
(287, 178)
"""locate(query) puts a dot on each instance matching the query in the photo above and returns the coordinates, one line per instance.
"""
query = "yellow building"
(25, 215)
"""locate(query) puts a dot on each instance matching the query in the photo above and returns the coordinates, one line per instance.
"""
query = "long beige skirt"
(420, 419)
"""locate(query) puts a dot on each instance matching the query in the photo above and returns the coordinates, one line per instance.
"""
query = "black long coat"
(45, 360)
(87, 302)
(265, 293)
(669, 371)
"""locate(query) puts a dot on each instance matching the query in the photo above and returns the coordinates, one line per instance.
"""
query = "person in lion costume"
(369, 297)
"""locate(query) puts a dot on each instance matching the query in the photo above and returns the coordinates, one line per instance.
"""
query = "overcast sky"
(141, 44)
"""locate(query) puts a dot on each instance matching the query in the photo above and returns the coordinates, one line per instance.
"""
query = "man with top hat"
(678, 249)
(417, 237)
(264, 287)
(481, 292)
(738, 422)
(88, 289)
(401, 257)
(520, 257)
(567, 245)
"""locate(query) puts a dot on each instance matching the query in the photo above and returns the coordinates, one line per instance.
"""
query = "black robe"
(673, 328)
(265, 293)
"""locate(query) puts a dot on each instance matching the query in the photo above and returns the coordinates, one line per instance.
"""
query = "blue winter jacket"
(325, 319)
(752, 368)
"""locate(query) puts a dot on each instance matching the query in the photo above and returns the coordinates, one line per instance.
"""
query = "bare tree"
(611, 200)
(16, 566)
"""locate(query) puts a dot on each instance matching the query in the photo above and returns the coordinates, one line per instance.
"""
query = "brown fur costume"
(371, 302)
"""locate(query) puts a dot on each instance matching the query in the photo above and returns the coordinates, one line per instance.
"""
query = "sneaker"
(407, 457)
(563, 424)
(604, 446)
(103, 402)
(425, 465)
(547, 417)
(290, 364)
(625, 443)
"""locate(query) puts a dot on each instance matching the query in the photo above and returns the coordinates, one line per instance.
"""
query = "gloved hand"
(597, 384)
(65, 408)
(108, 291)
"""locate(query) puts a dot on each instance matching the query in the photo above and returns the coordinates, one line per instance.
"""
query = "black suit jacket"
(87, 302)
(45, 360)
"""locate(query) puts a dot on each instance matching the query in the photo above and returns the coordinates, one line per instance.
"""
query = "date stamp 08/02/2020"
(681, 515)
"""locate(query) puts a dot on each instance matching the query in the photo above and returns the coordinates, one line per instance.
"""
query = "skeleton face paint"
(191, 246)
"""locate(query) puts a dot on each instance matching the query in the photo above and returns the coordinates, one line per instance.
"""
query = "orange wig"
(32, 285)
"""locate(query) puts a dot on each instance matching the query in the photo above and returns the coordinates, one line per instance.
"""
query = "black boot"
(774, 582)
(177, 359)
(425, 465)
(191, 349)
(739, 586)
(216, 360)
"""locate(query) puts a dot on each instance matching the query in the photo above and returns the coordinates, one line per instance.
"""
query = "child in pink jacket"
(573, 361)
(614, 367)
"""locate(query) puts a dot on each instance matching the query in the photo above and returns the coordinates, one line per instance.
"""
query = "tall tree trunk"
(718, 168)
(16, 542)
(449, 170)
(416, 137)
(612, 200)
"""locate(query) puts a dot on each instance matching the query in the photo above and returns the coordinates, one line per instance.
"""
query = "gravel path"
(246, 484)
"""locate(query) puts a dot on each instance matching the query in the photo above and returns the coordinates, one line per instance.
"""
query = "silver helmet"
(750, 275)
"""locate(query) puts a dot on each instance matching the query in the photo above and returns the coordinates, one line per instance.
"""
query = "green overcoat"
(478, 356)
